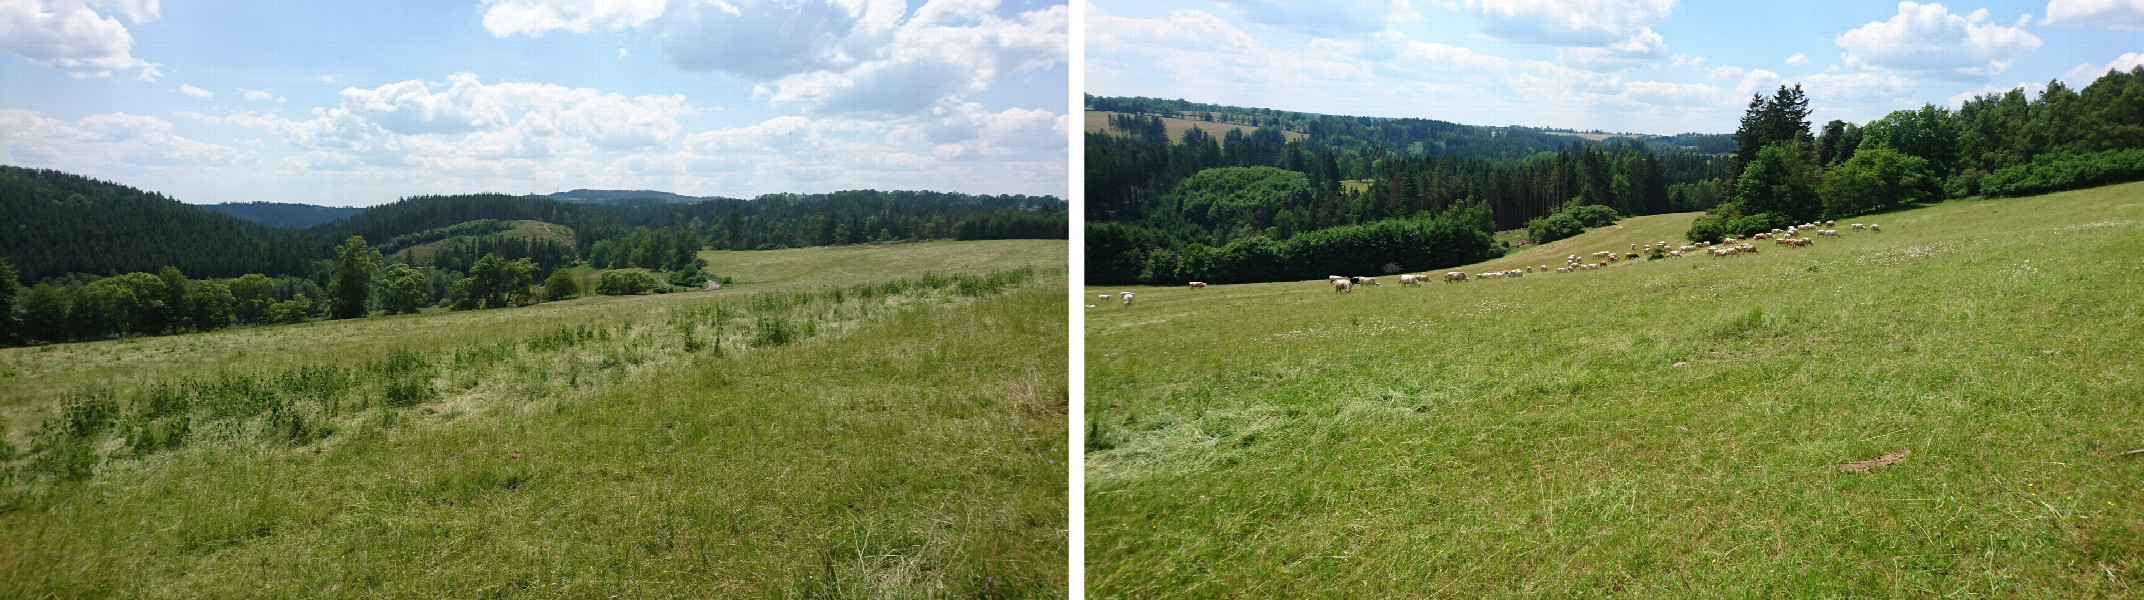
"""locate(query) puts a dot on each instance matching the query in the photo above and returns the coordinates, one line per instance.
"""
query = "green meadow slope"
(1673, 428)
(895, 435)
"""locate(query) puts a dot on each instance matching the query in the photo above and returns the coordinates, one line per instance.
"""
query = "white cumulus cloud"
(74, 35)
(531, 111)
(533, 17)
(826, 56)
(1593, 23)
(1341, 18)
(2116, 14)
(95, 143)
(2085, 74)
(1928, 38)
(196, 92)
(1798, 59)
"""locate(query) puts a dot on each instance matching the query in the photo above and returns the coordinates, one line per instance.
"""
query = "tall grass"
(890, 448)
(1666, 428)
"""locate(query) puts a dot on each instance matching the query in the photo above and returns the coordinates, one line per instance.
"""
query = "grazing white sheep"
(1127, 299)
(1198, 285)
(1563, 270)
(1414, 280)
(1859, 227)
(1455, 277)
(1674, 253)
(1831, 223)
(1343, 285)
(1105, 297)
(1364, 281)
(1874, 228)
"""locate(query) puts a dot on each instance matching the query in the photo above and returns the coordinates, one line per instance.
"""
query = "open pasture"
(895, 434)
(1671, 428)
(1098, 121)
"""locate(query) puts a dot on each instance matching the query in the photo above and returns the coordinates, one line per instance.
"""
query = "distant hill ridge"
(622, 197)
(59, 223)
(284, 214)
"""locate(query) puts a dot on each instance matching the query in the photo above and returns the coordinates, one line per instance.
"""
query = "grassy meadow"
(1098, 121)
(843, 425)
(1672, 428)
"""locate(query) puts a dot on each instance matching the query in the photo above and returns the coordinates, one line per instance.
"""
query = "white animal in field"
(1343, 285)
(1859, 227)
(1198, 285)
(1104, 297)
(1563, 269)
(1455, 277)
(1365, 281)
(1413, 280)
(1127, 299)
(1333, 277)
(1874, 228)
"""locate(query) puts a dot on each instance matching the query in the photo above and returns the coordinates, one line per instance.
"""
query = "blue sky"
(1643, 66)
(360, 103)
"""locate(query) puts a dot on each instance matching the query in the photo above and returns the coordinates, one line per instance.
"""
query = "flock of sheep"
(1789, 237)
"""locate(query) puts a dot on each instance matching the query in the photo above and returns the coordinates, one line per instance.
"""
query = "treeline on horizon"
(358, 283)
(1442, 138)
(67, 224)
(1994, 145)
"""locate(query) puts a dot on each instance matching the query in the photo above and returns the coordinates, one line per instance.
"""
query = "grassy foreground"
(1652, 429)
(894, 436)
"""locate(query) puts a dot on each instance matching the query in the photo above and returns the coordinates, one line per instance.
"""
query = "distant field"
(1098, 121)
(523, 230)
(1653, 429)
(837, 265)
(1589, 136)
(825, 434)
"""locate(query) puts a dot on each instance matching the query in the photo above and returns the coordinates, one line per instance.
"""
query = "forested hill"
(770, 220)
(283, 214)
(622, 197)
(57, 223)
(1399, 135)
(1261, 206)
(380, 224)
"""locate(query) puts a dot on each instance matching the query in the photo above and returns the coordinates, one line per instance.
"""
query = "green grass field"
(1652, 429)
(833, 433)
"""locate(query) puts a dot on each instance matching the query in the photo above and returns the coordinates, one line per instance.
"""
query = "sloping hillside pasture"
(1098, 121)
(896, 435)
(524, 229)
(839, 265)
(1670, 428)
